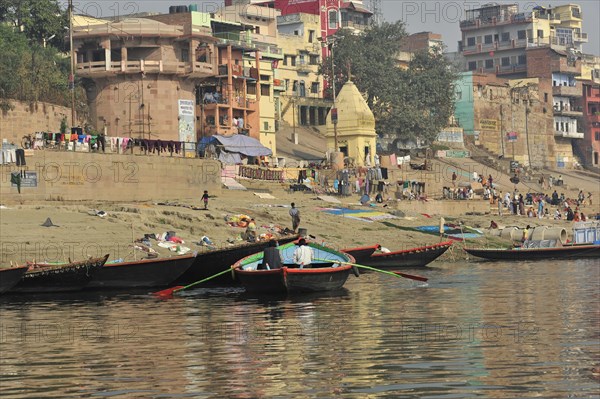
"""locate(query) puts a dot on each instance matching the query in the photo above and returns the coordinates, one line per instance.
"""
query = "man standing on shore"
(295, 214)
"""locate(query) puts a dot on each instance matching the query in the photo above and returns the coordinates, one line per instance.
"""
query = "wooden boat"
(214, 261)
(564, 252)
(68, 277)
(360, 254)
(328, 273)
(141, 273)
(413, 257)
(10, 277)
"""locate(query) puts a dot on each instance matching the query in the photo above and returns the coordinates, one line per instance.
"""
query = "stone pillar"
(107, 58)
(123, 59)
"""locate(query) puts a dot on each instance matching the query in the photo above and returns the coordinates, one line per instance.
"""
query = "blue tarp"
(234, 146)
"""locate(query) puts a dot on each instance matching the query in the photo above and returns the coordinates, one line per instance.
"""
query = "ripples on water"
(488, 329)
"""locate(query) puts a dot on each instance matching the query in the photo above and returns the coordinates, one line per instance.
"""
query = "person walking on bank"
(295, 214)
(205, 199)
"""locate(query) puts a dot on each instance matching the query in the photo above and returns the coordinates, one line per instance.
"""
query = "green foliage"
(407, 104)
(33, 73)
(37, 19)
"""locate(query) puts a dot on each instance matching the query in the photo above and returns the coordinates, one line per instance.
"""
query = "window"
(296, 33)
(265, 90)
(505, 61)
(540, 33)
(597, 136)
(314, 60)
(302, 61)
(557, 129)
(265, 126)
(295, 86)
(314, 87)
(472, 65)
(470, 41)
(311, 36)
(251, 89)
(546, 97)
(333, 19)
(522, 60)
(488, 39)
(293, 60)
(522, 34)
(264, 77)
(489, 64)
(285, 60)
(506, 36)
(185, 55)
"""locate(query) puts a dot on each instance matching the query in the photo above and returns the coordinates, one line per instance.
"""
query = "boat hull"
(567, 252)
(291, 280)
(361, 254)
(69, 277)
(10, 277)
(142, 273)
(210, 263)
(415, 257)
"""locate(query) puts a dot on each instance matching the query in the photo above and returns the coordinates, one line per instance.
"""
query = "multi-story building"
(302, 87)
(590, 145)
(507, 117)
(543, 43)
(418, 42)
(495, 38)
(181, 76)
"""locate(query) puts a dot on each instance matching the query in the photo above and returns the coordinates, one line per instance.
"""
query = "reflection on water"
(480, 329)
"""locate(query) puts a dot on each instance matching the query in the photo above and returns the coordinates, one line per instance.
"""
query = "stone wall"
(71, 176)
(27, 118)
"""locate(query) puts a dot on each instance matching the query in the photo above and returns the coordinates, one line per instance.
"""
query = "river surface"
(479, 329)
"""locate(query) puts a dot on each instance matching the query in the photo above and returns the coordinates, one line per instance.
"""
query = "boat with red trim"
(212, 262)
(360, 254)
(9, 277)
(72, 276)
(141, 273)
(329, 271)
(524, 253)
(413, 257)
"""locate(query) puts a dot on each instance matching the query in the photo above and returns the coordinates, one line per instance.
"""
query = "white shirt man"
(303, 255)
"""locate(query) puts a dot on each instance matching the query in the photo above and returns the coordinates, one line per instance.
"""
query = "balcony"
(580, 37)
(278, 85)
(568, 111)
(595, 118)
(305, 68)
(566, 91)
(569, 135)
(512, 69)
(101, 68)
(494, 21)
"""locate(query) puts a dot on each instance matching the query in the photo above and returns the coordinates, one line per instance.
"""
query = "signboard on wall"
(511, 137)
(187, 131)
(488, 124)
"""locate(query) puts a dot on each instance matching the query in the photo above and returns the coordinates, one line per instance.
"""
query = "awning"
(244, 145)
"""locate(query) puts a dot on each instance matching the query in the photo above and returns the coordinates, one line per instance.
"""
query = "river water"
(479, 329)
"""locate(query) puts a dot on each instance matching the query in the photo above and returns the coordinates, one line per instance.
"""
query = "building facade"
(590, 145)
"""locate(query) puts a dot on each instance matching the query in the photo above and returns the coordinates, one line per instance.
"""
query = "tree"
(38, 19)
(407, 104)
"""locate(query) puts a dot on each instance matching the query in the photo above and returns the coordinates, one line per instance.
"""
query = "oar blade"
(168, 292)
(412, 276)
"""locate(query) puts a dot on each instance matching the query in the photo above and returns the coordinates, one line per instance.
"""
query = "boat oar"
(393, 273)
(170, 291)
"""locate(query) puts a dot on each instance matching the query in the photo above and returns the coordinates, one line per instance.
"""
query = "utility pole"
(72, 75)
(502, 128)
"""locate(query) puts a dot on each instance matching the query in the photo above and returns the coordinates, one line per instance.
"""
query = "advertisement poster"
(187, 131)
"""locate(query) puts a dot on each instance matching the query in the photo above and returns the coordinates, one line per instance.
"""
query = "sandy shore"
(80, 233)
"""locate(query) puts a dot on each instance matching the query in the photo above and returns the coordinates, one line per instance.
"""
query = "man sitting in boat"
(383, 250)
(271, 257)
(303, 255)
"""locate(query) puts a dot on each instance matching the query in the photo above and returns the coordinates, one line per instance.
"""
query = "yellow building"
(356, 135)
(301, 87)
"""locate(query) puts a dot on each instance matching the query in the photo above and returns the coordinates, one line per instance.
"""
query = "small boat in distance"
(535, 252)
(328, 272)
(141, 273)
(413, 257)
(9, 277)
(72, 276)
